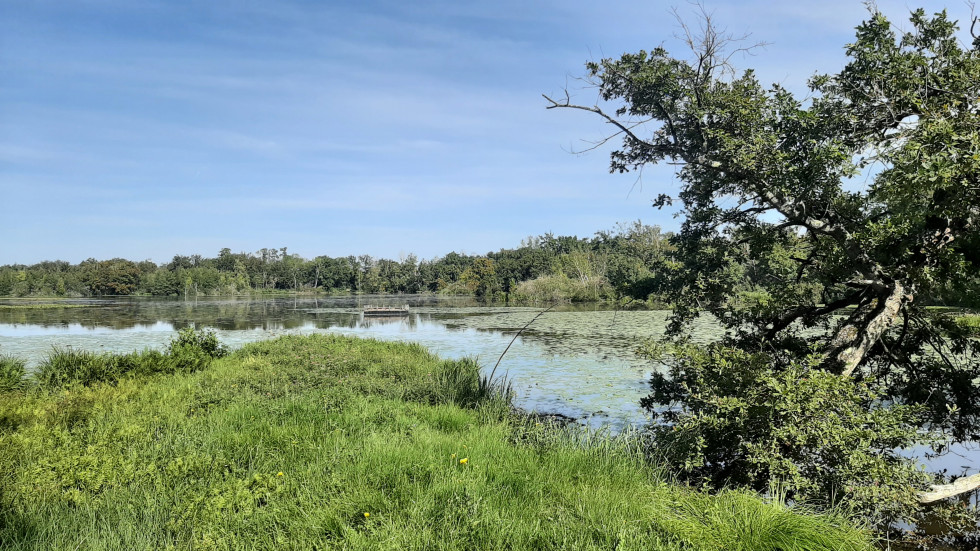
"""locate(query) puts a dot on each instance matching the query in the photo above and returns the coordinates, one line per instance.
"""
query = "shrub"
(188, 358)
(561, 288)
(970, 324)
(66, 366)
(144, 362)
(749, 420)
(459, 382)
(193, 350)
(205, 340)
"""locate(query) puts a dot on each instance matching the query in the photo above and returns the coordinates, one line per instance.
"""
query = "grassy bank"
(970, 323)
(335, 443)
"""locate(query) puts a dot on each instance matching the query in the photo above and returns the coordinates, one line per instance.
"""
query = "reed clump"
(12, 373)
(561, 288)
(189, 351)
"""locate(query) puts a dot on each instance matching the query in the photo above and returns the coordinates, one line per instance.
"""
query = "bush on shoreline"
(970, 323)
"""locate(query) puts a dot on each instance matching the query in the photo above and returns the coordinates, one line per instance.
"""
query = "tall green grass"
(12, 373)
(189, 351)
(334, 443)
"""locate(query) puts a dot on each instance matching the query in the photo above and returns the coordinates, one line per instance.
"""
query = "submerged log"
(938, 492)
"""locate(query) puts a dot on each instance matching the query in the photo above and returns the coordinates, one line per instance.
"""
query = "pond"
(575, 361)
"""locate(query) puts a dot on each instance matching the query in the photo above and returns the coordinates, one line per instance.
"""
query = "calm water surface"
(578, 362)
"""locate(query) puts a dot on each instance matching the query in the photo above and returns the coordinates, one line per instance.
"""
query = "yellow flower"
(366, 515)
(464, 460)
(279, 473)
(453, 456)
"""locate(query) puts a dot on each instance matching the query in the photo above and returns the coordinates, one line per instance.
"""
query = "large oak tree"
(849, 207)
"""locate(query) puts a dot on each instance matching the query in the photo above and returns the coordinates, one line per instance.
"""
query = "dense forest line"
(603, 267)
(633, 261)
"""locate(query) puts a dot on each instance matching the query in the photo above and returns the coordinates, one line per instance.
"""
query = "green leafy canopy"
(809, 270)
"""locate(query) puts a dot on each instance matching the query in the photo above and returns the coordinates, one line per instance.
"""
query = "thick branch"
(792, 211)
(810, 312)
(855, 338)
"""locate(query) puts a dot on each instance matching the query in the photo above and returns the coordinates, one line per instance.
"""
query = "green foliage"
(43, 279)
(41, 306)
(748, 421)
(12, 373)
(206, 341)
(971, 324)
(111, 277)
(618, 258)
(327, 442)
(733, 521)
(561, 288)
(480, 278)
(460, 383)
(821, 284)
(189, 351)
(64, 367)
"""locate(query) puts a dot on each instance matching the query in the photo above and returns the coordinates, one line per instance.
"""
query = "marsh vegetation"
(326, 442)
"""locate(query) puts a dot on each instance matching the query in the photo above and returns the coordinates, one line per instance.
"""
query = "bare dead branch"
(973, 19)
(628, 130)
(596, 144)
(711, 45)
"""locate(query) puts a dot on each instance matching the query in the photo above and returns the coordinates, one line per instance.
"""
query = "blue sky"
(145, 129)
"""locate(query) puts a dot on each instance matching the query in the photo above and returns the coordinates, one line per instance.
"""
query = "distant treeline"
(633, 261)
(610, 265)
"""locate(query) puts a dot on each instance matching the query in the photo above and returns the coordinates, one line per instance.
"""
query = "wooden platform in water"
(385, 311)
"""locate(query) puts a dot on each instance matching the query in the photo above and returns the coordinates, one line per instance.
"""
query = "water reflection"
(76, 328)
(575, 361)
(229, 314)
